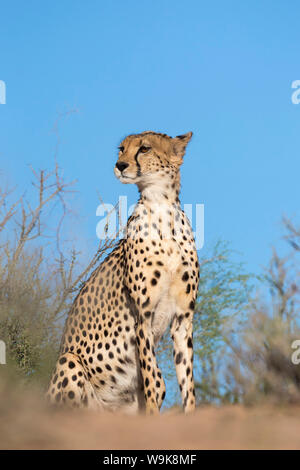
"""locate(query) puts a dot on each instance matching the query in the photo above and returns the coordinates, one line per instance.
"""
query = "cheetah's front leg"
(148, 364)
(145, 296)
(182, 335)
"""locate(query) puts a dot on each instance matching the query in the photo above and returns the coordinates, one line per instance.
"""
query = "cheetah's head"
(145, 157)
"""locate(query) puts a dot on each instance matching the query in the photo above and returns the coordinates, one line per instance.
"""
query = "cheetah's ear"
(179, 144)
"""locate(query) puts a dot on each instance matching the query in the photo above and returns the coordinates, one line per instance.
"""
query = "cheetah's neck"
(163, 191)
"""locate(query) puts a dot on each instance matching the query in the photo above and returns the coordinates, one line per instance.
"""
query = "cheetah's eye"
(121, 148)
(144, 149)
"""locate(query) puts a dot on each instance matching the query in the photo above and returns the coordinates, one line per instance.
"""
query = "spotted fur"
(150, 281)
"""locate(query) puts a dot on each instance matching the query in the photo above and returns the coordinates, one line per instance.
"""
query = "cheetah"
(146, 284)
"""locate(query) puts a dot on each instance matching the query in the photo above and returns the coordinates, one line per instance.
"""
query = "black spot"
(146, 303)
(178, 358)
(141, 333)
(65, 382)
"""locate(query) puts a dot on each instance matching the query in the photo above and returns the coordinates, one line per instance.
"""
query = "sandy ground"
(26, 424)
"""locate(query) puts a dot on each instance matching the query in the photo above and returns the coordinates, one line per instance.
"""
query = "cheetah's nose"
(121, 166)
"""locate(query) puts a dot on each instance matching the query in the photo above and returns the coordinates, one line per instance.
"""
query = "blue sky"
(221, 69)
